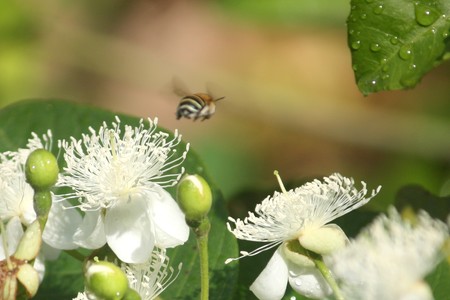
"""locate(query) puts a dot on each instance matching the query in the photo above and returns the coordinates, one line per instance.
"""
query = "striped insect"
(194, 106)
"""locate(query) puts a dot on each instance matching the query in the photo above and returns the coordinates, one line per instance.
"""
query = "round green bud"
(41, 169)
(194, 196)
(105, 280)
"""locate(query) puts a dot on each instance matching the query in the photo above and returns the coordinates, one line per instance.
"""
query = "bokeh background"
(283, 65)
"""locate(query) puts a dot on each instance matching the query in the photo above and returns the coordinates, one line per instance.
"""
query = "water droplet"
(373, 82)
(351, 31)
(363, 16)
(297, 282)
(375, 47)
(445, 35)
(378, 9)
(412, 67)
(355, 67)
(425, 14)
(405, 52)
(356, 45)
(385, 76)
(394, 40)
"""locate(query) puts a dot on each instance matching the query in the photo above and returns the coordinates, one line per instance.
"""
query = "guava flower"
(390, 258)
(118, 179)
(297, 220)
(17, 208)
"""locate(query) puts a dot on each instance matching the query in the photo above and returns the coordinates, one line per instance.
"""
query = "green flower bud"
(41, 169)
(105, 280)
(195, 197)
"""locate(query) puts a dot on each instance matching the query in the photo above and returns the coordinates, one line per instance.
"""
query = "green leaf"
(395, 42)
(439, 279)
(67, 119)
(416, 197)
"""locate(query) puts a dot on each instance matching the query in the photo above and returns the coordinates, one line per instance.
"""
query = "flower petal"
(309, 282)
(61, 226)
(129, 230)
(271, 283)
(91, 233)
(170, 225)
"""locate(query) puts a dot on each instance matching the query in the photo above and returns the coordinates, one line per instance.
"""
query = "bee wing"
(179, 87)
(211, 89)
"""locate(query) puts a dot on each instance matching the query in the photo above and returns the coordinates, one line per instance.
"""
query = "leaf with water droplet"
(395, 35)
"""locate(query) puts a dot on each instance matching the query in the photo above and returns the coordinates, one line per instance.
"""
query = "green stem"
(42, 205)
(201, 233)
(326, 273)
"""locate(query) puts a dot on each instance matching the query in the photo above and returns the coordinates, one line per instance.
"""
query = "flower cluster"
(116, 176)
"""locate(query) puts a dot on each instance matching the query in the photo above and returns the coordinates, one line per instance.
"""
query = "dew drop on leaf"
(363, 16)
(356, 45)
(375, 47)
(394, 40)
(425, 14)
(405, 52)
(378, 9)
(355, 67)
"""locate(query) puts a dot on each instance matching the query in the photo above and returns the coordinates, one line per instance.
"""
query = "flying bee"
(194, 106)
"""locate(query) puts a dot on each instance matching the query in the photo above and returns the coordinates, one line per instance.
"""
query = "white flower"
(118, 179)
(389, 259)
(299, 216)
(150, 279)
(16, 197)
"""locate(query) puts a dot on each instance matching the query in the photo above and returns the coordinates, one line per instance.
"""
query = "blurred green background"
(283, 65)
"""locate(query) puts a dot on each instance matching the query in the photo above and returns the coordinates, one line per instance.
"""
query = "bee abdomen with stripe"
(195, 106)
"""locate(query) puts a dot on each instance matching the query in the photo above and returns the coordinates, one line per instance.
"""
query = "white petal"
(271, 283)
(170, 225)
(61, 226)
(14, 233)
(91, 233)
(309, 283)
(39, 266)
(129, 231)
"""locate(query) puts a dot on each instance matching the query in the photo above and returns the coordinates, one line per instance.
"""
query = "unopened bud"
(194, 197)
(41, 169)
(105, 280)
